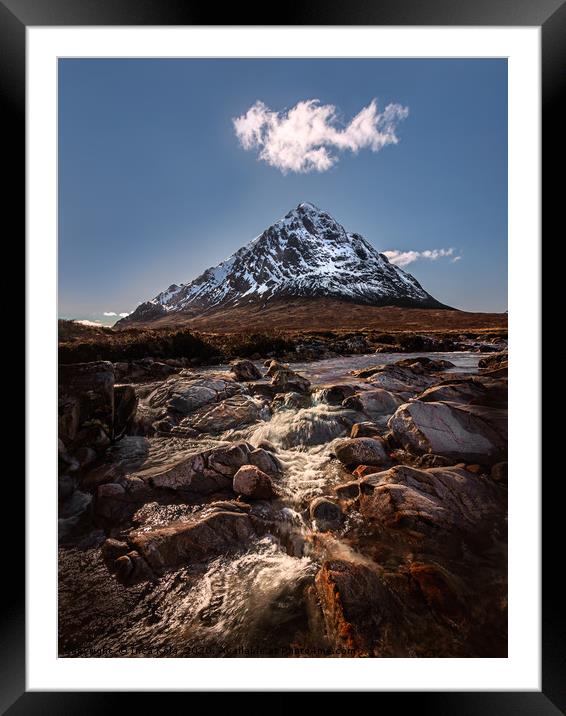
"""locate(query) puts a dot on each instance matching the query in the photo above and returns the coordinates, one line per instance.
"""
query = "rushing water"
(257, 598)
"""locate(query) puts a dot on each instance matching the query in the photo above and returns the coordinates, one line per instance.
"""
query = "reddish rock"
(252, 482)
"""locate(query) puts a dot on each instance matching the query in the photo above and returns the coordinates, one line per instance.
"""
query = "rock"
(472, 391)
(432, 504)
(325, 513)
(194, 540)
(362, 451)
(266, 462)
(462, 432)
(401, 379)
(374, 403)
(287, 380)
(348, 490)
(494, 361)
(431, 460)
(364, 470)
(335, 394)
(427, 364)
(183, 395)
(112, 549)
(291, 401)
(234, 412)
(125, 406)
(354, 602)
(499, 472)
(227, 461)
(262, 388)
(252, 482)
(366, 430)
(86, 399)
(245, 370)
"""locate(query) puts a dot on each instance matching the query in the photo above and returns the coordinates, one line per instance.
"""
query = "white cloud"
(113, 313)
(123, 315)
(85, 322)
(404, 258)
(302, 138)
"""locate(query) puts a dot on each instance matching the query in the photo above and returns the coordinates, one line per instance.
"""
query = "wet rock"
(431, 460)
(112, 549)
(426, 364)
(472, 391)
(252, 482)
(355, 603)
(463, 432)
(265, 461)
(183, 395)
(291, 401)
(374, 403)
(366, 430)
(228, 414)
(348, 490)
(362, 451)
(434, 504)
(401, 379)
(245, 370)
(262, 388)
(336, 394)
(287, 380)
(125, 406)
(86, 399)
(364, 470)
(494, 361)
(196, 540)
(325, 513)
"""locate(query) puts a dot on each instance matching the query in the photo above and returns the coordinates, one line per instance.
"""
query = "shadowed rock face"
(431, 504)
(463, 432)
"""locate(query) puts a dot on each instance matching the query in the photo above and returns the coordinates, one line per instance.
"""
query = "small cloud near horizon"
(404, 258)
(302, 138)
(113, 313)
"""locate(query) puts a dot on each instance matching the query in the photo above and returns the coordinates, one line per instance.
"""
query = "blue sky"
(155, 185)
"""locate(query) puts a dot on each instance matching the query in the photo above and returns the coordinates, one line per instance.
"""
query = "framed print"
(274, 274)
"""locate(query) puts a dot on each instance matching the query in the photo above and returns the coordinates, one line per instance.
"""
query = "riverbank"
(353, 506)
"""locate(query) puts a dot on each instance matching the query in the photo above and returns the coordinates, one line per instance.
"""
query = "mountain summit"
(305, 254)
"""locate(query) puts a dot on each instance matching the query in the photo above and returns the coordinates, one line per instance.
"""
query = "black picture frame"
(550, 15)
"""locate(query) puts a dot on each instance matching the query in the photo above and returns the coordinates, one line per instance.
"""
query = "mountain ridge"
(305, 254)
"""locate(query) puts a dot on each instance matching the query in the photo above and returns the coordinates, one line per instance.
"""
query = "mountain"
(305, 254)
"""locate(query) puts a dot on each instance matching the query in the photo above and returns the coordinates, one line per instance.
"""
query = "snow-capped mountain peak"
(306, 253)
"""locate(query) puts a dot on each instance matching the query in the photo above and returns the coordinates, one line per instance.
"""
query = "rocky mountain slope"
(305, 254)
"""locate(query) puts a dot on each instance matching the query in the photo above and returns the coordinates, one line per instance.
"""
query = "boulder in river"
(234, 412)
(434, 504)
(374, 403)
(245, 370)
(325, 513)
(193, 540)
(335, 394)
(287, 380)
(463, 432)
(366, 430)
(362, 451)
(252, 482)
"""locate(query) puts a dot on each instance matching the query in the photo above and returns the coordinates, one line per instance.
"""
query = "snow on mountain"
(306, 253)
